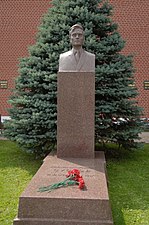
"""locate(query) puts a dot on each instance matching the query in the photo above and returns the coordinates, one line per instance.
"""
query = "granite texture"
(70, 204)
(76, 112)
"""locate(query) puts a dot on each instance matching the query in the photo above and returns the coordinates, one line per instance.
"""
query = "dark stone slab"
(70, 204)
(76, 112)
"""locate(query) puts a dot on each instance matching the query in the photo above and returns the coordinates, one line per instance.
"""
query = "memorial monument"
(76, 99)
(75, 150)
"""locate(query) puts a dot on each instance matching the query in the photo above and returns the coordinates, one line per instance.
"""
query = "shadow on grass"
(113, 152)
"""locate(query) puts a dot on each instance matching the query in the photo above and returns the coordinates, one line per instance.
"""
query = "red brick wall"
(18, 26)
(133, 20)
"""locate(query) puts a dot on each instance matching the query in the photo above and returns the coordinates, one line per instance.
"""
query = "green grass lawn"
(16, 170)
(128, 176)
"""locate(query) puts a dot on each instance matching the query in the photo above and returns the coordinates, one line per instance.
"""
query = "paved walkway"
(3, 138)
(144, 137)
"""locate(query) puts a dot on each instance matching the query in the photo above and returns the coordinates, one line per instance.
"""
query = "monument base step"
(59, 222)
(69, 204)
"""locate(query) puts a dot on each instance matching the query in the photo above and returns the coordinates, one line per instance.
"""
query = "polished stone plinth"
(75, 114)
(68, 205)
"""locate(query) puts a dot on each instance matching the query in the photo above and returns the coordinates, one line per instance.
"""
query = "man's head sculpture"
(77, 59)
(76, 35)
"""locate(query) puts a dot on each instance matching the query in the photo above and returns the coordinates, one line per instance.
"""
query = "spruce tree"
(34, 102)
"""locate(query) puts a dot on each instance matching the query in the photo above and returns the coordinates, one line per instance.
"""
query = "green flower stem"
(64, 183)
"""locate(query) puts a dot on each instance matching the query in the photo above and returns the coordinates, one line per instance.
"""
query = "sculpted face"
(77, 37)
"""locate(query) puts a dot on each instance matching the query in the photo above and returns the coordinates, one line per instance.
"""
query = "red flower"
(81, 183)
(75, 172)
(75, 175)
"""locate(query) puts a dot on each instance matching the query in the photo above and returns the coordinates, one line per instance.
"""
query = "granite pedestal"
(75, 114)
(68, 205)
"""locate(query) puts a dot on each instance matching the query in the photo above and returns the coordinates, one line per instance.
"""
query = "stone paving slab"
(144, 137)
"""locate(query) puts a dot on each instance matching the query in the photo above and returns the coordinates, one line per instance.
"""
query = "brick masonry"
(18, 28)
(133, 20)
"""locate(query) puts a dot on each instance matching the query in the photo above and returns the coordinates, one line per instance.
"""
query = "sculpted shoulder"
(65, 54)
(90, 54)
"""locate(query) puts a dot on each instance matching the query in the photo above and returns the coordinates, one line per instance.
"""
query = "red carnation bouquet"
(73, 177)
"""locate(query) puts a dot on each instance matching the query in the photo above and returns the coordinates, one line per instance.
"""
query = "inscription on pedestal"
(61, 172)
